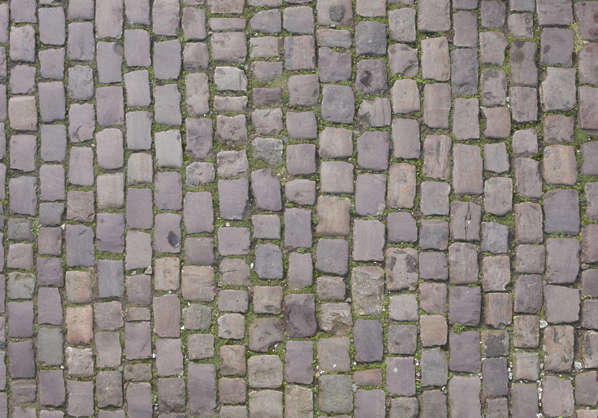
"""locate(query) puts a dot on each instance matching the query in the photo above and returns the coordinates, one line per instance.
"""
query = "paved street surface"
(297, 208)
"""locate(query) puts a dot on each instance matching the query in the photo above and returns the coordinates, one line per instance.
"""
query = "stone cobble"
(297, 208)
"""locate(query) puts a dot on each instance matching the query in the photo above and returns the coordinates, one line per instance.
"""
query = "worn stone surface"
(271, 201)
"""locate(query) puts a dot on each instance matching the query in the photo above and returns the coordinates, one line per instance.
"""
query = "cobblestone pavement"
(268, 208)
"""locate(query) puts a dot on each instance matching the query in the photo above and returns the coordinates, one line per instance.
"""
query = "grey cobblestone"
(254, 208)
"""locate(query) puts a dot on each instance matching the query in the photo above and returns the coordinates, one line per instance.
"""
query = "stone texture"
(347, 150)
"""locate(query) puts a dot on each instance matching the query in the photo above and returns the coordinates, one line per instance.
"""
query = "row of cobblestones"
(268, 208)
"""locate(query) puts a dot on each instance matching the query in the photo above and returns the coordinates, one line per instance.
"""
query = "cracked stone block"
(465, 221)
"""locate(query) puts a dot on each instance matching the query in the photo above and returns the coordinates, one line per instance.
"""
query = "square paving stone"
(371, 76)
(335, 394)
(334, 66)
(140, 168)
(551, 12)
(433, 16)
(402, 339)
(264, 371)
(558, 395)
(465, 305)
(400, 376)
(330, 288)
(301, 159)
(51, 63)
(403, 60)
(433, 330)
(433, 234)
(368, 240)
(498, 311)
(434, 367)
(370, 194)
(268, 261)
(80, 399)
(401, 227)
(338, 104)
(463, 265)
(300, 270)
(561, 304)
(433, 265)
(22, 113)
(526, 331)
(334, 12)
(110, 105)
(495, 343)
(403, 307)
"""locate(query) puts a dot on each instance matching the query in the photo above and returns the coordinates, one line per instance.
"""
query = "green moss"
(458, 328)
